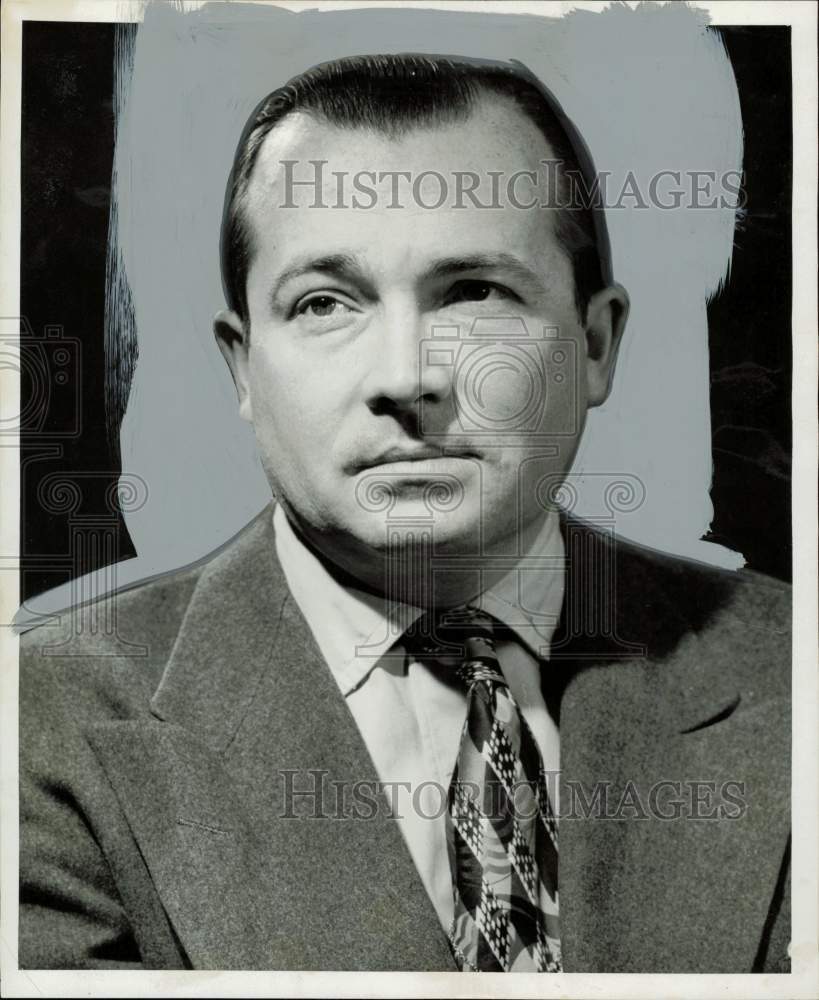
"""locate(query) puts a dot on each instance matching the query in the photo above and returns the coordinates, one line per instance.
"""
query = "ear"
(234, 343)
(606, 317)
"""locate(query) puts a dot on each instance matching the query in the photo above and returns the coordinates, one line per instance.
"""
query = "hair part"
(395, 94)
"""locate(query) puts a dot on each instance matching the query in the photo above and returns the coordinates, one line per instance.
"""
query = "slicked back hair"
(396, 94)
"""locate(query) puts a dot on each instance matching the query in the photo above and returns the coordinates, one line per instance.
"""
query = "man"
(416, 352)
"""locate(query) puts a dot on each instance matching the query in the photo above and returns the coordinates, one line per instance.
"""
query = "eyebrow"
(340, 265)
(484, 262)
(346, 265)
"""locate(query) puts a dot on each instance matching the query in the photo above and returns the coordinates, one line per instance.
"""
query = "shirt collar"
(355, 629)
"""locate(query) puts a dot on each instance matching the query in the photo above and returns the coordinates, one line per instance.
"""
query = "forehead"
(491, 146)
(495, 132)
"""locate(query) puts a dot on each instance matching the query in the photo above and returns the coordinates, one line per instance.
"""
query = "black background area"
(67, 154)
(750, 322)
(67, 144)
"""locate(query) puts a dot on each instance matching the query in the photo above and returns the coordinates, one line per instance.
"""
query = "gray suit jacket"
(155, 831)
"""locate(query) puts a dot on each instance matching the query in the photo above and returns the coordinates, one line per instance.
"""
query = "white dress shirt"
(411, 714)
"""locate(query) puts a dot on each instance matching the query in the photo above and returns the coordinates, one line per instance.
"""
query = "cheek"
(277, 396)
(297, 403)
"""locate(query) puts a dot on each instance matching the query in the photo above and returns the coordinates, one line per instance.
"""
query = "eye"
(322, 307)
(476, 291)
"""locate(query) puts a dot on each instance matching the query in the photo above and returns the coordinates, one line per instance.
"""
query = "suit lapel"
(236, 792)
(638, 893)
(193, 837)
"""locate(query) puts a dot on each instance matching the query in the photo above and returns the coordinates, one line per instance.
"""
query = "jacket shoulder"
(708, 596)
(679, 610)
(103, 659)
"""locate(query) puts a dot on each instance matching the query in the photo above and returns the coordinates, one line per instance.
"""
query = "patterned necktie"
(501, 830)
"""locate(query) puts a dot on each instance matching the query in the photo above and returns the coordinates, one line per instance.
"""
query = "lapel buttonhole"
(724, 713)
(207, 827)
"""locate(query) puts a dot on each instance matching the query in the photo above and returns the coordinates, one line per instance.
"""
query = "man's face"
(412, 364)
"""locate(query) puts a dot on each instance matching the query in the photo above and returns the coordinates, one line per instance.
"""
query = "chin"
(410, 532)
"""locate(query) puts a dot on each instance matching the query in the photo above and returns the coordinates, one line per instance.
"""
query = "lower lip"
(425, 468)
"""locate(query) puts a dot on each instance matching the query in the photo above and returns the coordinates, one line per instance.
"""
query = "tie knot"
(463, 636)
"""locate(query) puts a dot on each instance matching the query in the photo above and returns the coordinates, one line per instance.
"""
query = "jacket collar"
(227, 638)
(626, 605)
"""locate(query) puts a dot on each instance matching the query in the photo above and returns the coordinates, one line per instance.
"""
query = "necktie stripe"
(502, 823)
(521, 877)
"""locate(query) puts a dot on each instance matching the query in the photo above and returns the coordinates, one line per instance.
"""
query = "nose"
(403, 374)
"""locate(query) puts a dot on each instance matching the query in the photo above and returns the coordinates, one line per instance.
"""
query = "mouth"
(422, 454)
